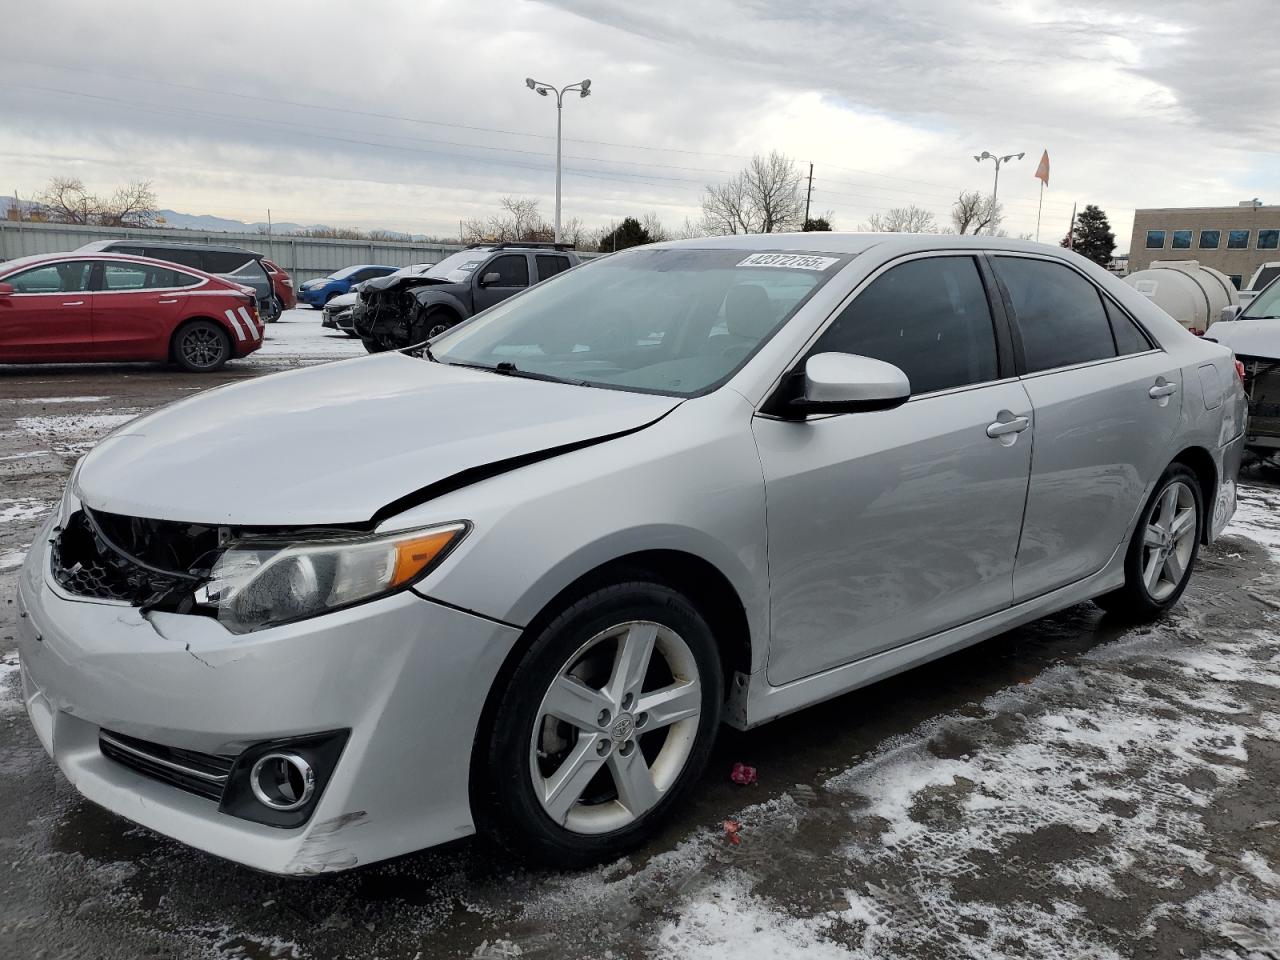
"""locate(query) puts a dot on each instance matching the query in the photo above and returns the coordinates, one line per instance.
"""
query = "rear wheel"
(605, 723)
(201, 346)
(1163, 549)
(271, 310)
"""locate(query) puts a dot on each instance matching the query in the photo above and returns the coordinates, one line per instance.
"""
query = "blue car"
(320, 291)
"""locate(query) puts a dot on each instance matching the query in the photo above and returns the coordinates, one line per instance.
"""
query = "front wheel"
(605, 723)
(201, 346)
(373, 346)
(1163, 549)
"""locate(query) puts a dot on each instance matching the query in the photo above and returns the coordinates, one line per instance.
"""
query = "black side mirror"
(490, 278)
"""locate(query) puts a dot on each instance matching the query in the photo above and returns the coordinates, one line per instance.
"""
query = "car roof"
(159, 244)
(37, 259)
(855, 243)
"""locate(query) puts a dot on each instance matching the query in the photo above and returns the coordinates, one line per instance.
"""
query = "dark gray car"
(399, 311)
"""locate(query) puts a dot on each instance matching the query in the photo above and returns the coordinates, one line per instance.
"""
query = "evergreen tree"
(816, 223)
(1092, 236)
(629, 233)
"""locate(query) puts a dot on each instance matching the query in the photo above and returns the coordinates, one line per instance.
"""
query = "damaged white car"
(1252, 332)
(695, 482)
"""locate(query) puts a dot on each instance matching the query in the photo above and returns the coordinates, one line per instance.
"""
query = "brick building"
(1236, 240)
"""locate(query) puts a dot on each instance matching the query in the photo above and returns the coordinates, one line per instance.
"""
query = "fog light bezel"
(319, 752)
(305, 771)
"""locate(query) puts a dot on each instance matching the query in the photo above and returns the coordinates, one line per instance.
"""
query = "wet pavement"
(1072, 788)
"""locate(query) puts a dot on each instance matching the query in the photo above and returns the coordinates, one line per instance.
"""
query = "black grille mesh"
(203, 774)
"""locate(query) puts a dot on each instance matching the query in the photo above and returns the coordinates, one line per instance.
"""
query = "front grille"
(109, 557)
(203, 774)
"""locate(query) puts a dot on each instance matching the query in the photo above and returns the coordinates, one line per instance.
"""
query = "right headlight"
(262, 583)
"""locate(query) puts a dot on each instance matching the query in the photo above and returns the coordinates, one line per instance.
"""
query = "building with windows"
(1236, 240)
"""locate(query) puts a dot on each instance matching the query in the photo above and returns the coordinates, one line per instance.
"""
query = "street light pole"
(545, 89)
(995, 187)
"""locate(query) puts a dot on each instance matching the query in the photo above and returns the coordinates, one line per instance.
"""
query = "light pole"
(544, 89)
(985, 155)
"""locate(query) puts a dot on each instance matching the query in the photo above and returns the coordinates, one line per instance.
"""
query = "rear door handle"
(73, 303)
(1007, 428)
(1162, 388)
(166, 301)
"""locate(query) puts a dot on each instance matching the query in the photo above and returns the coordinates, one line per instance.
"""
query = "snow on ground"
(38, 401)
(297, 336)
(23, 509)
(11, 559)
(72, 434)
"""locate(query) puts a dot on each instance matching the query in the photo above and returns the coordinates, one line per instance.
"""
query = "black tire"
(1136, 600)
(271, 310)
(508, 807)
(201, 346)
(373, 346)
(436, 321)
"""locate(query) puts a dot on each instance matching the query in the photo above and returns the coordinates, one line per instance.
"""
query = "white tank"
(1192, 294)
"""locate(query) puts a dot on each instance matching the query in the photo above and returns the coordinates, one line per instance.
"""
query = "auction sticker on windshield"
(796, 261)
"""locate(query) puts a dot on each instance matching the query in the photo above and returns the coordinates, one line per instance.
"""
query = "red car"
(282, 284)
(76, 308)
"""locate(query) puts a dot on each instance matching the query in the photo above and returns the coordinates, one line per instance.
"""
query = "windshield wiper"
(508, 369)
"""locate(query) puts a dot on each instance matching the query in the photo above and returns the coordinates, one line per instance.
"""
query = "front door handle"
(1163, 388)
(73, 303)
(166, 301)
(1007, 429)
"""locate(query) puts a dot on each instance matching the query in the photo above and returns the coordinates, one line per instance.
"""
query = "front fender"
(428, 297)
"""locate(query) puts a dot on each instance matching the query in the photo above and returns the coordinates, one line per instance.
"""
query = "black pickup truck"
(396, 312)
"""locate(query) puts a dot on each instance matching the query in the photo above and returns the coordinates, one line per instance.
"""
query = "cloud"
(413, 116)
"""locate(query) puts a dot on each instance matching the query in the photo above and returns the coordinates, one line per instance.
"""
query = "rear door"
(1106, 403)
(889, 526)
(549, 264)
(49, 315)
(512, 271)
(134, 308)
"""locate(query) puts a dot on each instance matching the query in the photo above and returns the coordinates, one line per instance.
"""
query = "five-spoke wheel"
(608, 716)
(201, 346)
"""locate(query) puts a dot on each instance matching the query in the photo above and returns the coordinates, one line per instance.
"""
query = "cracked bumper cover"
(407, 676)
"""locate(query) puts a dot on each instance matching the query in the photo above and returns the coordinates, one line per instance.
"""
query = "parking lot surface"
(1072, 788)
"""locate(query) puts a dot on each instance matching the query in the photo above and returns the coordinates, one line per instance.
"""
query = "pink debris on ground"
(732, 831)
(743, 774)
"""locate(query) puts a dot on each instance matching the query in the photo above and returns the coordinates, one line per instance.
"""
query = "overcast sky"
(412, 115)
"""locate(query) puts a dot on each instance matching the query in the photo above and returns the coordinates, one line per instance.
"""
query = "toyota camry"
(695, 483)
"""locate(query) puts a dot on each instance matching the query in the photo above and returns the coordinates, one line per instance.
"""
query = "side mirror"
(6, 289)
(848, 383)
(490, 278)
(1231, 313)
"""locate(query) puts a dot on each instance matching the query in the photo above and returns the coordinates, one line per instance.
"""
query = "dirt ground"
(1072, 788)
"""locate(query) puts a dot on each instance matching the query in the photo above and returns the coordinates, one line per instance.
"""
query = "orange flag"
(1042, 171)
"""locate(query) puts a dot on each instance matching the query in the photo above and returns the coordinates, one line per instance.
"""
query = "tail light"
(1240, 371)
(1196, 330)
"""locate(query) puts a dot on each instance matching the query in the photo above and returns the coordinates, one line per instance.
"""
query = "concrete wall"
(1240, 263)
(302, 257)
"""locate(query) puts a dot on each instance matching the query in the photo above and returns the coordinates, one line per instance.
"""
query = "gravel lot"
(1069, 789)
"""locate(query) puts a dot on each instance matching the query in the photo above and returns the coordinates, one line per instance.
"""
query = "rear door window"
(1059, 313)
(549, 265)
(930, 318)
(188, 258)
(217, 261)
(124, 277)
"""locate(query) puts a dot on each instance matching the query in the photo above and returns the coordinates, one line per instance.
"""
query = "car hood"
(1249, 338)
(343, 300)
(336, 444)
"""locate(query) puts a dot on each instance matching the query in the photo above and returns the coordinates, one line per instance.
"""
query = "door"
(887, 527)
(512, 271)
(549, 264)
(1106, 406)
(49, 314)
(134, 308)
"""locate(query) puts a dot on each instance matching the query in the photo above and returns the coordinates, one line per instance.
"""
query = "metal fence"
(302, 257)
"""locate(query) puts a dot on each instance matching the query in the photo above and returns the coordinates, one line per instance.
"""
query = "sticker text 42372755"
(793, 261)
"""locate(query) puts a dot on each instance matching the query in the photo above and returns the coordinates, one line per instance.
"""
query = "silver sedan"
(694, 483)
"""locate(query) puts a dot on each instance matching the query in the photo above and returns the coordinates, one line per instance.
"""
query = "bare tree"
(66, 200)
(519, 220)
(763, 197)
(908, 219)
(974, 211)
(653, 226)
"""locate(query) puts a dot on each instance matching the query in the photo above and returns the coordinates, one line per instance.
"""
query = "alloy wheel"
(202, 347)
(1169, 540)
(616, 727)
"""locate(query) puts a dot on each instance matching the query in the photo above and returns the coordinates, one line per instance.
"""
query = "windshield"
(459, 266)
(673, 321)
(1264, 305)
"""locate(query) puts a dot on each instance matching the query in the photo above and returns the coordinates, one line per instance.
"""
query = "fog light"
(282, 781)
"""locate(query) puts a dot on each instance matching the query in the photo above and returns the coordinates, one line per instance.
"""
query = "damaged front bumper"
(406, 676)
